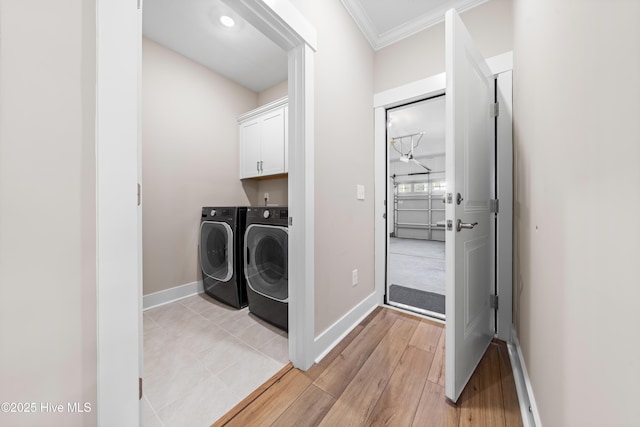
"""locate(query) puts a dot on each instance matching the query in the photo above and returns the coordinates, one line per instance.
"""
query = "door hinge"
(495, 109)
(290, 221)
(494, 206)
(139, 4)
(139, 194)
(140, 385)
(493, 301)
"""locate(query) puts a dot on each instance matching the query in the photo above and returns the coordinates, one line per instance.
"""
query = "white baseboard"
(327, 340)
(157, 299)
(528, 407)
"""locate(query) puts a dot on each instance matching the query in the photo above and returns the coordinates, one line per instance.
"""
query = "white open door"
(469, 243)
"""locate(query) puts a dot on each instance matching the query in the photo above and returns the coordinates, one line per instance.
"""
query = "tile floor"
(202, 357)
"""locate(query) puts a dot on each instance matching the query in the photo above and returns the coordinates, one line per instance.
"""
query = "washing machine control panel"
(220, 214)
(277, 215)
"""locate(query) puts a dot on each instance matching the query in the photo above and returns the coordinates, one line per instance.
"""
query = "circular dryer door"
(216, 250)
(266, 260)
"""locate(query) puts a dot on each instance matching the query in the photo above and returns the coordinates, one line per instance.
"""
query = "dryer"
(266, 263)
(221, 254)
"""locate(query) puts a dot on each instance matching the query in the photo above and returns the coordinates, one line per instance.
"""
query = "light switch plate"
(360, 192)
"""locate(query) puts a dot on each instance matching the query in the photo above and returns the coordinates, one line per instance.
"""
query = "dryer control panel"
(220, 214)
(276, 215)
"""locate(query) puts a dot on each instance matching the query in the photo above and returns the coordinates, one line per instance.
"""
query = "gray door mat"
(417, 298)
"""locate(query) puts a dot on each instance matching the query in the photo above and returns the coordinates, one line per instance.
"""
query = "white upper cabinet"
(250, 148)
(263, 140)
(286, 139)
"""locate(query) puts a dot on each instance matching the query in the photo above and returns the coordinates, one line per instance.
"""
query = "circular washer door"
(216, 250)
(266, 260)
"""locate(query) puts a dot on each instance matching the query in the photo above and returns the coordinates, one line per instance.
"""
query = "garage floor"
(417, 264)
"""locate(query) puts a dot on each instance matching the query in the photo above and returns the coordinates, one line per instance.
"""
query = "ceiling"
(243, 54)
(384, 22)
(193, 29)
(427, 117)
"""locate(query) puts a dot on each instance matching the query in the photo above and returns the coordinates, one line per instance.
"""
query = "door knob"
(460, 225)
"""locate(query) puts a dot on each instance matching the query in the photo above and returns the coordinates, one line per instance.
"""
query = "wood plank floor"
(389, 371)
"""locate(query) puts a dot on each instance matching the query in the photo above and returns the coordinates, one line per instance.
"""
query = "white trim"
(362, 20)
(504, 238)
(426, 313)
(528, 406)
(170, 295)
(380, 239)
(379, 40)
(295, 22)
(119, 289)
(421, 89)
(431, 86)
(282, 102)
(119, 38)
(335, 333)
(279, 20)
(426, 88)
(301, 207)
(500, 63)
(413, 313)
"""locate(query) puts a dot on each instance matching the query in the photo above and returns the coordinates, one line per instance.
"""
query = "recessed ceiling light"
(227, 21)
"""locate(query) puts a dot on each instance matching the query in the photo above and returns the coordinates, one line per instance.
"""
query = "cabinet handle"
(261, 162)
(258, 166)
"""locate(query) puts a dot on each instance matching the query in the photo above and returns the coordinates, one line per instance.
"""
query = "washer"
(221, 254)
(266, 265)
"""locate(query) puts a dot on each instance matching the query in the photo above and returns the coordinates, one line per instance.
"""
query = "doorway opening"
(416, 188)
(208, 118)
(118, 219)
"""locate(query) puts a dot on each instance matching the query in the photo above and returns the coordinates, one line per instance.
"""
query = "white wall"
(422, 55)
(47, 209)
(344, 158)
(577, 142)
(277, 188)
(190, 159)
(275, 92)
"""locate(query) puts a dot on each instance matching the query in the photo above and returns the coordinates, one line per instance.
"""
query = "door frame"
(501, 66)
(118, 257)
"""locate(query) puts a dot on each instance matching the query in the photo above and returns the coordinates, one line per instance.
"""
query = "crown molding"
(357, 12)
(263, 109)
(409, 28)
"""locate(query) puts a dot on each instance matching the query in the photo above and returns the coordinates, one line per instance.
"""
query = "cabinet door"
(250, 148)
(286, 139)
(273, 143)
